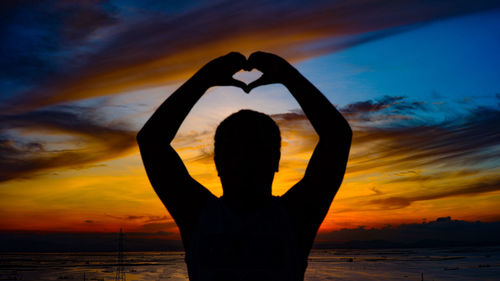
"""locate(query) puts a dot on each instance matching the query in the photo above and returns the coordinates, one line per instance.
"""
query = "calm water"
(394, 264)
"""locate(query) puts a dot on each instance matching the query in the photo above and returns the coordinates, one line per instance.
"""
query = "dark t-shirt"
(266, 245)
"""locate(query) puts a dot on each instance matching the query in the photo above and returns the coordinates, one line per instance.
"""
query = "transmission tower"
(120, 271)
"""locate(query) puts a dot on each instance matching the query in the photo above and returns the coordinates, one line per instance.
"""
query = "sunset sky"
(418, 82)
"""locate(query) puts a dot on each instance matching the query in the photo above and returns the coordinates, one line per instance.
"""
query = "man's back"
(262, 245)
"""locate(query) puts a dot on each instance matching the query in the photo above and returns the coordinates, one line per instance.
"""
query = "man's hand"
(220, 71)
(274, 69)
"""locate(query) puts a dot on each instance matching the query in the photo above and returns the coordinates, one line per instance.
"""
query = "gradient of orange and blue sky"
(417, 81)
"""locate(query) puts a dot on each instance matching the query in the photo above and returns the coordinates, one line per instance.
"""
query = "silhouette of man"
(246, 234)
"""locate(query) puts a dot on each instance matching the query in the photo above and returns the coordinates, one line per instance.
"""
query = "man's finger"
(238, 60)
(237, 83)
(247, 66)
(255, 60)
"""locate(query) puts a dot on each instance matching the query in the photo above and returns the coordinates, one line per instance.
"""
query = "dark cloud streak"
(20, 159)
(466, 139)
(482, 185)
(160, 49)
(392, 137)
(37, 36)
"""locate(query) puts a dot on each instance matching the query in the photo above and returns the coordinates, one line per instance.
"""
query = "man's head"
(247, 153)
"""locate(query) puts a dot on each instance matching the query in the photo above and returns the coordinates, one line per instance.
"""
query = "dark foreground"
(392, 264)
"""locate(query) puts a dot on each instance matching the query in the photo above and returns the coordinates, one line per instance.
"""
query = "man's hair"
(246, 128)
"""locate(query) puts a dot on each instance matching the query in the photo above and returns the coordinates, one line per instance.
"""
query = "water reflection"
(395, 264)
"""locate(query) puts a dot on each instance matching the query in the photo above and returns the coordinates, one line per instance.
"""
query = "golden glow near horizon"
(426, 139)
(378, 189)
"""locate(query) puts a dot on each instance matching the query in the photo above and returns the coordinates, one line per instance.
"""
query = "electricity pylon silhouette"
(120, 271)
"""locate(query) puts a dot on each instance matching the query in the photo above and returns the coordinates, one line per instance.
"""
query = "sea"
(330, 264)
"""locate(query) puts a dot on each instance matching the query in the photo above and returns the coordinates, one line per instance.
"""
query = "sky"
(417, 81)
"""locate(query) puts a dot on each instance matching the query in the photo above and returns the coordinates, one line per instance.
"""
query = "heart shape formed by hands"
(222, 71)
(247, 77)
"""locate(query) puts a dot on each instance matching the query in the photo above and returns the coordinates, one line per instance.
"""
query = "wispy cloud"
(43, 39)
(448, 157)
(143, 218)
(158, 226)
(87, 58)
(72, 139)
(466, 139)
(478, 186)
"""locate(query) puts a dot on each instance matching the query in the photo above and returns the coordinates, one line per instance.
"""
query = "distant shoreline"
(351, 245)
(443, 232)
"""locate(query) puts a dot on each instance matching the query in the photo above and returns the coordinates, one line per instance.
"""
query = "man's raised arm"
(179, 192)
(313, 195)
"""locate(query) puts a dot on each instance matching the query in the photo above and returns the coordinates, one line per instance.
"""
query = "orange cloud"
(160, 49)
(399, 170)
(79, 141)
